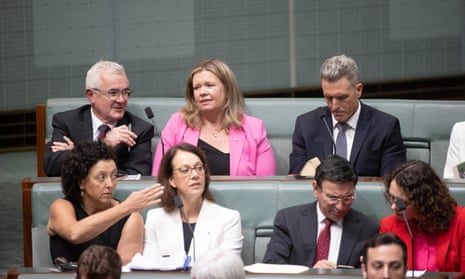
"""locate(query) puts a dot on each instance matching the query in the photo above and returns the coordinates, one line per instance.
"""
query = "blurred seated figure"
(456, 150)
(218, 264)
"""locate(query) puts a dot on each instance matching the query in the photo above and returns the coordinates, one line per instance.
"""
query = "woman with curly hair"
(89, 214)
(436, 221)
(214, 120)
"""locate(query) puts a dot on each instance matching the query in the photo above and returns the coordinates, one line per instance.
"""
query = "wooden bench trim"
(40, 138)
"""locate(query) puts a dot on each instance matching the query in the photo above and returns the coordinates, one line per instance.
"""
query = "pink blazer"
(450, 247)
(250, 151)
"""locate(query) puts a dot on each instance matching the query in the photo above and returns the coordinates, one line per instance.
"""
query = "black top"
(188, 230)
(59, 247)
(218, 162)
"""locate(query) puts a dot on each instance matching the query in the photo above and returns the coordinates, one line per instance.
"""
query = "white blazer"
(216, 226)
(456, 150)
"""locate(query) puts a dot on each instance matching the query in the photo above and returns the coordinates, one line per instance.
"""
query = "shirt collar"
(352, 122)
(96, 122)
(321, 217)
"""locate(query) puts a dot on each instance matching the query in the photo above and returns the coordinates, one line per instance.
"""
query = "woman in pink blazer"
(436, 221)
(214, 120)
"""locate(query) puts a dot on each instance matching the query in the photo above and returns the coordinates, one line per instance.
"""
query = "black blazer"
(77, 125)
(295, 236)
(377, 146)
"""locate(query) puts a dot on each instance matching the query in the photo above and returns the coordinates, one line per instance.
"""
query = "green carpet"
(14, 167)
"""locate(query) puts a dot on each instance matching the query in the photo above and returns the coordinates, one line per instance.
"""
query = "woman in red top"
(437, 223)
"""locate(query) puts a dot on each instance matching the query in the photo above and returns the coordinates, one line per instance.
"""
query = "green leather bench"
(425, 124)
(256, 200)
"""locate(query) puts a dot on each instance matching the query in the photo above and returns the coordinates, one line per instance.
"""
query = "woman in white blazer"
(188, 207)
(456, 150)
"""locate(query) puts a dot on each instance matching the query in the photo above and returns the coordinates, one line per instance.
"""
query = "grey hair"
(337, 67)
(218, 264)
(93, 74)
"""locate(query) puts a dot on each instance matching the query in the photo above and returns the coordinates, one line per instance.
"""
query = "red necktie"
(322, 248)
(103, 129)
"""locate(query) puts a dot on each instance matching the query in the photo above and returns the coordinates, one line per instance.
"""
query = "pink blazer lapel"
(191, 136)
(236, 144)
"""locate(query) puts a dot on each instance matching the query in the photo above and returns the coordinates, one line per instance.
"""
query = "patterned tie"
(341, 142)
(103, 129)
(322, 246)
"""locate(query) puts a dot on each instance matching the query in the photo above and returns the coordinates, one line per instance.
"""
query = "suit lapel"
(85, 130)
(350, 234)
(236, 143)
(170, 236)
(124, 121)
(309, 230)
(363, 126)
(202, 230)
(327, 141)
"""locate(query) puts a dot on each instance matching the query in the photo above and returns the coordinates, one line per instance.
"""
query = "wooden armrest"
(40, 138)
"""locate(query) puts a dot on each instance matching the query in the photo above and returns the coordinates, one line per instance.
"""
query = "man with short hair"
(369, 138)
(384, 256)
(99, 262)
(105, 119)
(327, 232)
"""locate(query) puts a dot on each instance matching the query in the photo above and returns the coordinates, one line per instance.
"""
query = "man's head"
(218, 263)
(99, 262)
(334, 187)
(107, 89)
(341, 86)
(384, 256)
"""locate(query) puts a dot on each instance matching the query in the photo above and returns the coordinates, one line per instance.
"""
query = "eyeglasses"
(115, 94)
(390, 200)
(185, 170)
(345, 200)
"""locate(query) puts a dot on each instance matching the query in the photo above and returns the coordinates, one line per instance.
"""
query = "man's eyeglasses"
(185, 171)
(345, 200)
(115, 94)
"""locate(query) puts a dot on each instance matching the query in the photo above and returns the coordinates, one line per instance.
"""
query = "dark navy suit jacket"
(77, 125)
(377, 146)
(295, 236)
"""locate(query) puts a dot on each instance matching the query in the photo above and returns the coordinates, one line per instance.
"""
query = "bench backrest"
(425, 124)
(256, 200)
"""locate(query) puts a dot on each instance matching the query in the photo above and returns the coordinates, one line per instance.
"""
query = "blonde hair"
(234, 102)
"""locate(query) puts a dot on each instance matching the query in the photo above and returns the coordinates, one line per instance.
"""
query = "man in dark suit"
(373, 140)
(298, 230)
(106, 119)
